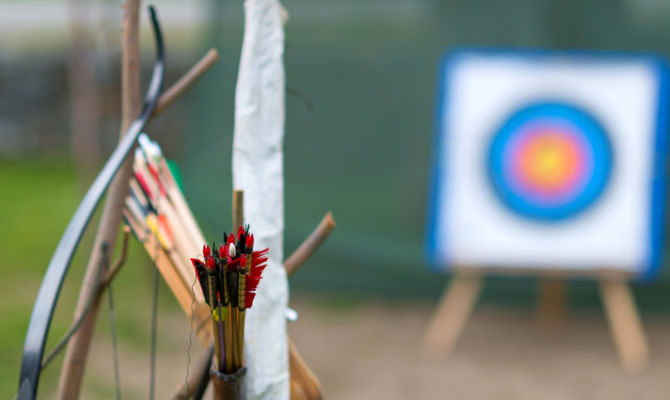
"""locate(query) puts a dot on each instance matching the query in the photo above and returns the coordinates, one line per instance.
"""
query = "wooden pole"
(131, 107)
(238, 209)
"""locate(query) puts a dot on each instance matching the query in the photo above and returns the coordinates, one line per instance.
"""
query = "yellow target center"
(549, 161)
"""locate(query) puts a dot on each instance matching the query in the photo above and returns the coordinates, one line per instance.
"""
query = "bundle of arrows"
(160, 218)
(229, 277)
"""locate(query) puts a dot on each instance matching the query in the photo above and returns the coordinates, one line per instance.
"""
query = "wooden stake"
(238, 209)
(452, 314)
(131, 106)
(625, 324)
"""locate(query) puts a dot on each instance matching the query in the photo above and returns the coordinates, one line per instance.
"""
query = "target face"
(549, 161)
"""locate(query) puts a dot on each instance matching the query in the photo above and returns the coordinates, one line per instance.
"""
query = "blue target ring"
(549, 161)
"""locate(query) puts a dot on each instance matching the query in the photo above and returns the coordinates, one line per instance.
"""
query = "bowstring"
(112, 326)
(190, 335)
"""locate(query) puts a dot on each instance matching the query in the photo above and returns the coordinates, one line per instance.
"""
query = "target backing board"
(549, 160)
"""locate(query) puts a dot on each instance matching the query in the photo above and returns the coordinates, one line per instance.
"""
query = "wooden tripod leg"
(452, 314)
(625, 324)
(552, 305)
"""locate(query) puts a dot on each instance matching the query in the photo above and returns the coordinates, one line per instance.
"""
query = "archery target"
(549, 160)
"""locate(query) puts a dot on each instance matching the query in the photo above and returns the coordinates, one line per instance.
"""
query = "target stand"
(548, 164)
(460, 296)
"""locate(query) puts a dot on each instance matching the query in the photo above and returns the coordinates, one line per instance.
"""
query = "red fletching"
(258, 263)
(256, 272)
(229, 256)
(143, 183)
(159, 182)
(249, 299)
(259, 257)
(252, 285)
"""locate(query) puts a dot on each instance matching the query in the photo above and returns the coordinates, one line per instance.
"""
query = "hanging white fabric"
(258, 171)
